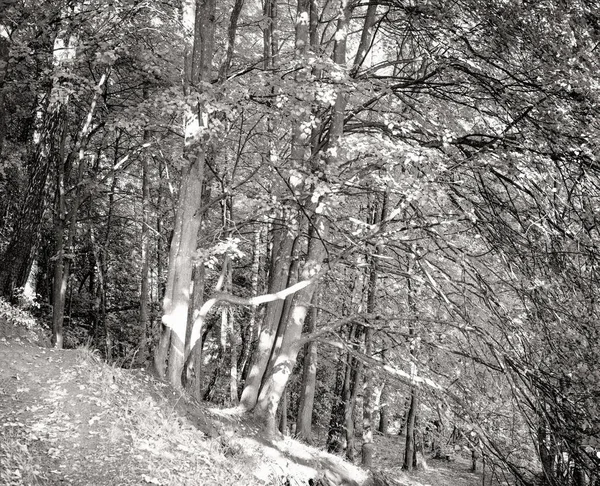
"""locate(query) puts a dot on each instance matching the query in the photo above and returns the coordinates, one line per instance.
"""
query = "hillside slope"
(68, 418)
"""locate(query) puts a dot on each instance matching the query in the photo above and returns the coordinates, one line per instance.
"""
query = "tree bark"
(384, 417)
(410, 451)
(367, 34)
(410, 457)
(283, 423)
(193, 369)
(338, 426)
(545, 451)
(336, 420)
(309, 381)
(379, 216)
(183, 247)
(4, 55)
(357, 370)
(251, 331)
(274, 385)
(145, 256)
(283, 239)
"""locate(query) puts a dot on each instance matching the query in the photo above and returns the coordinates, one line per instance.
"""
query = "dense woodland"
(342, 217)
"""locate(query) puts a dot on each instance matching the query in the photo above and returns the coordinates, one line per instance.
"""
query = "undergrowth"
(17, 466)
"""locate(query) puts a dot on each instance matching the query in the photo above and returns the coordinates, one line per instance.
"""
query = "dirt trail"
(59, 420)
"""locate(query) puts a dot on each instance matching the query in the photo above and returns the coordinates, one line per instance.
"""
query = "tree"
(199, 22)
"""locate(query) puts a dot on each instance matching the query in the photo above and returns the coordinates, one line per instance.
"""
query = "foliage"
(474, 120)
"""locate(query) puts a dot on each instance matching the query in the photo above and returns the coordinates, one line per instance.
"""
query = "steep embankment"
(68, 418)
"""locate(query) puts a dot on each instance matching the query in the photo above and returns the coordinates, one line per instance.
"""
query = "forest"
(339, 218)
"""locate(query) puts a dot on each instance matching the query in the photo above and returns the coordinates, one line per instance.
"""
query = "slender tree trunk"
(61, 262)
(379, 215)
(161, 351)
(233, 359)
(336, 420)
(369, 395)
(250, 332)
(410, 457)
(145, 256)
(410, 447)
(193, 371)
(384, 401)
(229, 336)
(59, 286)
(354, 377)
(309, 381)
(336, 437)
(368, 406)
(231, 34)
(283, 423)
(367, 35)
(101, 329)
(350, 406)
(545, 451)
(4, 56)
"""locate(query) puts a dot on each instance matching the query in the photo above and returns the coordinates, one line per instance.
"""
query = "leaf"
(150, 480)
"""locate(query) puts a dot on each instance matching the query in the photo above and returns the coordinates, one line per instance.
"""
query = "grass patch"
(17, 465)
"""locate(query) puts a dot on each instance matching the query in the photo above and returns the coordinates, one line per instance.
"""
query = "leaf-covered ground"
(68, 418)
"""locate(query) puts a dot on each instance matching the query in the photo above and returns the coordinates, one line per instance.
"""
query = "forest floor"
(67, 418)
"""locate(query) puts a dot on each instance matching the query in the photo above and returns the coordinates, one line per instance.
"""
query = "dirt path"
(57, 419)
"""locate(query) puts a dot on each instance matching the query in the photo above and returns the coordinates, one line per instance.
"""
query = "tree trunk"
(61, 262)
(283, 239)
(378, 215)
(4, 56)
(283, 424)
(199, 19)
(281, 248)
(350, 406)
(274, 385)
(410, 456)
(336, 436)
(292, 279)
(545, 451)
(367, 34)
(59, 286)
(229, 336)
(193, 371)
(368, 406)
(183, 247)
(145, 257)
(309, 380)
(250, 332)
(18, 255)
(384, 409)
(410, 451)
(336, 420)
